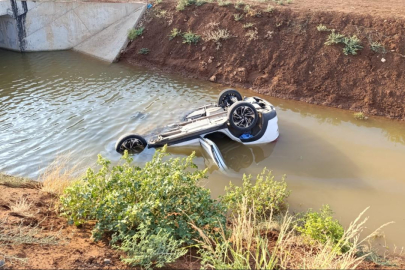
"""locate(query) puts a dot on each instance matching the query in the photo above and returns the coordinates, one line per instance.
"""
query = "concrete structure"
(98, 29)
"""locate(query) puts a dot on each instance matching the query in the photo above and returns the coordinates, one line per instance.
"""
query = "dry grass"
(22, 207)
(217, 35)
(16, 182)
(274, 243)
(252, 34)
(58, 175)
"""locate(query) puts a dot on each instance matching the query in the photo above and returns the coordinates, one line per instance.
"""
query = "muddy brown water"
(63, 102)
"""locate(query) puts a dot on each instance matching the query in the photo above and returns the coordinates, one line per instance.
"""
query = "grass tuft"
(135, 32)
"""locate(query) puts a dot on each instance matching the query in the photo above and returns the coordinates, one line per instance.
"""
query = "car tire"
(226, 96)
(134, 143)
(242, 116)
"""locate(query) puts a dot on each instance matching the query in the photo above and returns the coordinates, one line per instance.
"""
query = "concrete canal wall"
(97, 29)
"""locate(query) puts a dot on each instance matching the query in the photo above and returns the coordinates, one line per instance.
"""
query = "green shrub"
(143, 51)
(135, 32)
(334, 38)
(360, 116)
(264, 195)
(182, 4)
(190, 38)
(377, 47)
(174, 33)
(321, 226)
(147, 249)
(163, 195)
(352, 45)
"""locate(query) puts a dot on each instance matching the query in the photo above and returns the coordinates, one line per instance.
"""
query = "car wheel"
(242, 116)
(133, 143)
(227, 97)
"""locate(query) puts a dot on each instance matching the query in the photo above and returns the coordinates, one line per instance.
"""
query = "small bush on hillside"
(238, 17)
(322, 28)
(144, 51)
(174, 33)
(334, 38)
(321, 226)
(135, 32)
(269, 9)
(191, 38)
(217, 35)
(158, 200)
(248, 25)
(223, 3)
(264, 195)
(239, 4)
(252, 34)
(377, 47)
(182, 4)
(352, 45)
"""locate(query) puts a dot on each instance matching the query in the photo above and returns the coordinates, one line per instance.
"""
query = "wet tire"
(135, 144)
(227, 97)
(242, 116)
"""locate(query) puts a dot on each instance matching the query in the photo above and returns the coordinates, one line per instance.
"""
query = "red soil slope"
(289, 58)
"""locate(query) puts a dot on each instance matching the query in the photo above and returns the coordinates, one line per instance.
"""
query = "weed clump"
(323, 28)
(320, 226)
(238, 17)
(377, 47)
(352, 44)
(217, 35)
(252, 34)
(135, 32)
(360, 116)
(174, 33)
(191, 38)
(144, 51)
(248, 25)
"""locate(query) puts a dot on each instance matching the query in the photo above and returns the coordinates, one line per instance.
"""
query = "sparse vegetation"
(323, 28)
(269, 9)
(238, 17)
(182, 4)
(254, 13)
(135, 32)
(248, 25)
(377, 47)
(360, 116)
(174, 33)
(144, 51)
(246, 9)
(223, 3)
(191, 38)
(239, 4)
(216, 35)
(352, 44)
(22, 207)
(252, 34)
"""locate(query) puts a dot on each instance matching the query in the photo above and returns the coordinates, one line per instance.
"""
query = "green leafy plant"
(149, 250)
(191, 38)
(321, 226)
(360, 116)
(352, 45)
(162, 198)
(334, 38)
(143, 51)
(264, 195)
(135, 32)
(182, 4)
(174, 33)
(377, 47)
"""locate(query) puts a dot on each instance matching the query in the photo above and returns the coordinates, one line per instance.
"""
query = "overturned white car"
(249, 120)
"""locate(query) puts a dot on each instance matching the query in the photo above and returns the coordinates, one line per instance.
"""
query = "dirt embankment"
(287, 56)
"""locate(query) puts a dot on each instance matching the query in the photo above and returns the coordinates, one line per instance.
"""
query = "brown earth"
(289, 58)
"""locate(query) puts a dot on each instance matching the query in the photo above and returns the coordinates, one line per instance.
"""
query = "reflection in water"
(52, 103)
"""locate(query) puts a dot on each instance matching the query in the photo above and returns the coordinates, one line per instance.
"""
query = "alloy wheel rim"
(132, 145)
(243, 116)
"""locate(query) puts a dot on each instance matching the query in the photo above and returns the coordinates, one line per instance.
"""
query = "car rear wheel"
(242, 116)
(228, 97)
(133, 143)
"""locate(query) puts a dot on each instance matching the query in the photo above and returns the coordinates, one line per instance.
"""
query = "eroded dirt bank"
(286, 58)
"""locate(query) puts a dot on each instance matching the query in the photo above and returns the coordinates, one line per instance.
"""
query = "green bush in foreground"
(162, 198)
(321, 226)
(265, 195)
(191, 38)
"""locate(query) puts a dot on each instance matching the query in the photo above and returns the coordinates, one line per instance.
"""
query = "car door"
(211, 149)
